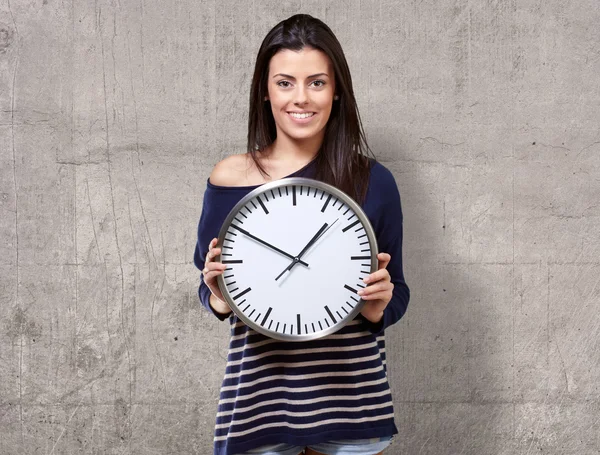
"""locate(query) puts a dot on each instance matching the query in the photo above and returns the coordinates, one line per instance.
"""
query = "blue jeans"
(342, 447)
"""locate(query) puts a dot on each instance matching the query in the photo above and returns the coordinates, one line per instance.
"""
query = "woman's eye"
(286, 84)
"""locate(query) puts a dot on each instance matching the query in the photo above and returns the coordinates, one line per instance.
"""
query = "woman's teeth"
(293, 114)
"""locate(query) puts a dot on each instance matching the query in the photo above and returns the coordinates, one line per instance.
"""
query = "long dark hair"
(342, 159)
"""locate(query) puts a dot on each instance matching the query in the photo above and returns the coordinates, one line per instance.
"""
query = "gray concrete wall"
(113, 114)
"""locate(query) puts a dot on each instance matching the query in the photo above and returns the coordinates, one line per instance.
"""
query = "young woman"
(331, 395)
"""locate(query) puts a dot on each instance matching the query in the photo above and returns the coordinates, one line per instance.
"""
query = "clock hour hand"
(243, 231)
(311, 242)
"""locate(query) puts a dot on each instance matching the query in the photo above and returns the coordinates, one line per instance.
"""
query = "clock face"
(296, 251)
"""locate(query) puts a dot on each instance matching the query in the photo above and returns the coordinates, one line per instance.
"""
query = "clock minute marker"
(350, 226)
(242, 293)
(350, 288)
(330, 315)
(267, 317)
(326, 203)
(263, 205)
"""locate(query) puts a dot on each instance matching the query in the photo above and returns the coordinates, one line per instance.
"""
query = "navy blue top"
(314, 391)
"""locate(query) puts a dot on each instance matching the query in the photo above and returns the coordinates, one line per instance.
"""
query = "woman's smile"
(301, 118)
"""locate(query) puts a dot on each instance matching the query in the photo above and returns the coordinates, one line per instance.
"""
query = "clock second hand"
(316, 237)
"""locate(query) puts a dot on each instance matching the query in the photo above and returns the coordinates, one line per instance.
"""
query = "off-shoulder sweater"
(312, 391)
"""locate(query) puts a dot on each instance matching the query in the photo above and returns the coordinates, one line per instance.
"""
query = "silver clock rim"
(324, 187)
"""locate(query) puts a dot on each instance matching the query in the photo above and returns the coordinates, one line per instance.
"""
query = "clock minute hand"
(243, 231)
(311, 242)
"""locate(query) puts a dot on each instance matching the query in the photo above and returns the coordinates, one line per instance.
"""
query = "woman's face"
(301, 82)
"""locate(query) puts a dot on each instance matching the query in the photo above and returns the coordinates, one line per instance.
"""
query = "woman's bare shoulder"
(231, 171)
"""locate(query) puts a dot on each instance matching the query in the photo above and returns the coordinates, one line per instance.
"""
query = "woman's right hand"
(211, 270)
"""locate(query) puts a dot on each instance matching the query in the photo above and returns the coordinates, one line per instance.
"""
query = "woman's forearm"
(218, 305)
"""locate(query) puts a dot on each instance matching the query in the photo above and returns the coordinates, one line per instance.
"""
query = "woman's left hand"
(378, 292)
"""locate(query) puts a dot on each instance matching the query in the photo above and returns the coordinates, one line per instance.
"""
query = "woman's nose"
(301, 96)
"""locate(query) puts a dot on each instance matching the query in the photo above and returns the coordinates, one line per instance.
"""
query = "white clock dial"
(296, 250)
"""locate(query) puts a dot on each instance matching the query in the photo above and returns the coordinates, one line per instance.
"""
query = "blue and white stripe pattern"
(277, 391)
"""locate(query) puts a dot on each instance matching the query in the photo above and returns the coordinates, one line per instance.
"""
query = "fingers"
(382, 274)
(381, 290)
(212, 251)
(211, 267)
(384, 260)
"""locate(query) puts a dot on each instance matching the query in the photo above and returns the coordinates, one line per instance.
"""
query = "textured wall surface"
(112, 115)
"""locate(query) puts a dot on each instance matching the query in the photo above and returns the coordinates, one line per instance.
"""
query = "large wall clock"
(296, 251)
